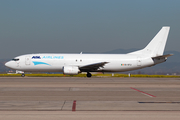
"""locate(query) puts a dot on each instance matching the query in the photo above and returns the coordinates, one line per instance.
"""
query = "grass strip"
(93, 75)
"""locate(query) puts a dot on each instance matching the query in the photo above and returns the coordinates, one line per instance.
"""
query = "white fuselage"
(56, 62)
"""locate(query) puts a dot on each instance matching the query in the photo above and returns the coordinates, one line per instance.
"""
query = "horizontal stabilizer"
(163, 56)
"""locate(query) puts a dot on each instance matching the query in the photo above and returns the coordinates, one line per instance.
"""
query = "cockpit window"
(15, 59)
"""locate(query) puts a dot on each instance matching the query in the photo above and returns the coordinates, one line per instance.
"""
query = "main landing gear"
(88, 74)
(23, 75)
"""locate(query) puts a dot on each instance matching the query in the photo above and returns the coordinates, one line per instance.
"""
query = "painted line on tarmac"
(147, 94)
(159, 102)
(74, 106)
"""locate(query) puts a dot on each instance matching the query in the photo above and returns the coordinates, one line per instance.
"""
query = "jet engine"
(70, 70)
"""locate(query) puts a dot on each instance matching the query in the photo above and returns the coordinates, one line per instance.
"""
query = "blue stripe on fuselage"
(40, 63)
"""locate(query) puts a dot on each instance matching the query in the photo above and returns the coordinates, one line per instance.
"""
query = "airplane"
(73, 64)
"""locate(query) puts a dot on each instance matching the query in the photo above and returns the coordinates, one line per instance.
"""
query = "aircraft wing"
(92, 67)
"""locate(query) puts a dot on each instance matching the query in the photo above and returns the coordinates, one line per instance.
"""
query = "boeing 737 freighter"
(72, 64)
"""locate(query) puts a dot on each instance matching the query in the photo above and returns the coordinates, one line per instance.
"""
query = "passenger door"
(28, 60)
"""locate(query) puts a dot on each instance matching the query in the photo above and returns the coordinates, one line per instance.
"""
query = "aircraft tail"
(157, 45)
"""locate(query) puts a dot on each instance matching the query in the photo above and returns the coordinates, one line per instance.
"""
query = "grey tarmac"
(89, 98)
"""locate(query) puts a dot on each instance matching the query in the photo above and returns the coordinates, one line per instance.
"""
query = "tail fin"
(157, 44)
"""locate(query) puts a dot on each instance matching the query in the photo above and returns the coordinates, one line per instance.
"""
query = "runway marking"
(143, 92)
(159, 102)
(74, 106)
(63, 104)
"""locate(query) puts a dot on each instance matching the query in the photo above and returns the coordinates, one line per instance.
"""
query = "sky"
(74, 26)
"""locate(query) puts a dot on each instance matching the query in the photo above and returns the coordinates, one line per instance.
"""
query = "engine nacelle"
(71, 70)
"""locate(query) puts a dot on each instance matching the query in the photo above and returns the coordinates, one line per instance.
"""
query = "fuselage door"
(27, 60)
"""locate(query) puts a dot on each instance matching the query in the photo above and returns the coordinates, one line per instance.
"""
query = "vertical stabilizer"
(157, 45)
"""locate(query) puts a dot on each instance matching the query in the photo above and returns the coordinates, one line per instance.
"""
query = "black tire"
(22, 75)
(88, 75)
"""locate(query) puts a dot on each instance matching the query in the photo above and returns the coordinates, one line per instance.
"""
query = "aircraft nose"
(7, 64)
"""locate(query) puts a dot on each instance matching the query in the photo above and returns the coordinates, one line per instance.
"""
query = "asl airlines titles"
(48, 57)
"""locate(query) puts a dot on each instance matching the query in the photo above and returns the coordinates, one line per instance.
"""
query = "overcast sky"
(72, 26)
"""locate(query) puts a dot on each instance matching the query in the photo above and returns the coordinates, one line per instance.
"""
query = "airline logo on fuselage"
(53, 57)
(36, 57)
(48, 57)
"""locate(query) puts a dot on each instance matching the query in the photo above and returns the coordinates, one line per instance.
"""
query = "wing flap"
(92, 67)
